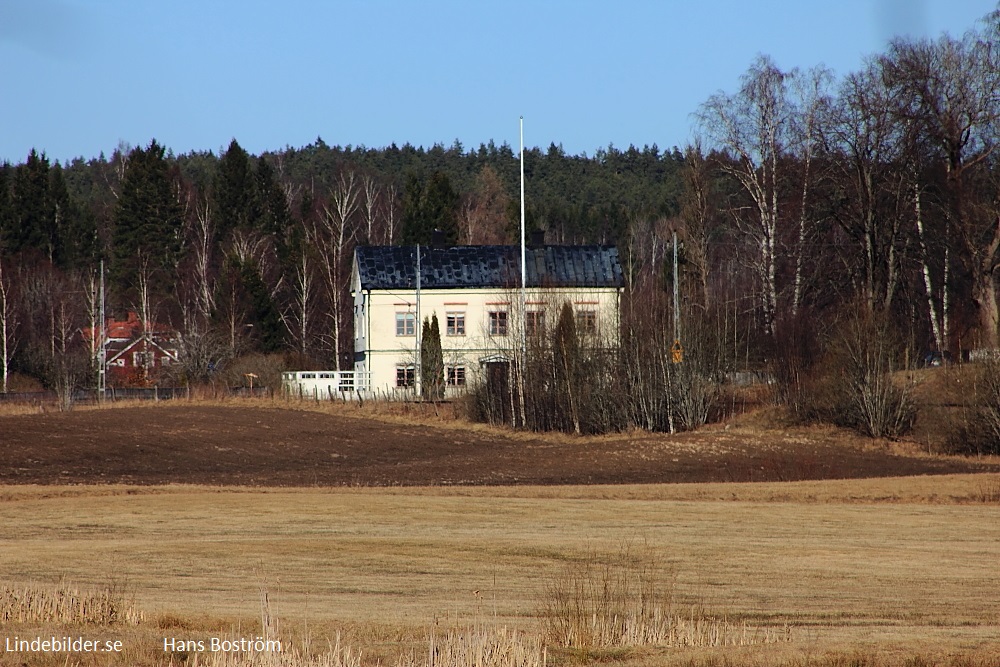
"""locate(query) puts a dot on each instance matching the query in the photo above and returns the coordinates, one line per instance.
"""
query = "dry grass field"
(402, 537)
(878, 571)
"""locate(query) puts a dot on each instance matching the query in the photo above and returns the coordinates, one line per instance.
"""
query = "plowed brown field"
(281, 446)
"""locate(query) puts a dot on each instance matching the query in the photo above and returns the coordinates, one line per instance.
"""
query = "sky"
(81, 77)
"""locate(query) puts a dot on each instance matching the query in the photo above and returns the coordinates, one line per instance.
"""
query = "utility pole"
(102, 352)
(677, 351)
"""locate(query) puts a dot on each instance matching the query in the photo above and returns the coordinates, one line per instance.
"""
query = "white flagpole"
(524, 265)
(524, 285)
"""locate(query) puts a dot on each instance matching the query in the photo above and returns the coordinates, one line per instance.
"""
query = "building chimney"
(538, 238)
(437, 239)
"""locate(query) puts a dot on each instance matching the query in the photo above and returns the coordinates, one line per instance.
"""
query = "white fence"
(326, 385)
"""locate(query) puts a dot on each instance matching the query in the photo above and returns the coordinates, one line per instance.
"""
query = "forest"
(811, 206)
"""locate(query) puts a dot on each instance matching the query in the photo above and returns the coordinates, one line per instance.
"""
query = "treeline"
(808, 199)
(243, 253)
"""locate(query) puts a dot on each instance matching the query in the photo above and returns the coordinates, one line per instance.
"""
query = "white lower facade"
(480, 329)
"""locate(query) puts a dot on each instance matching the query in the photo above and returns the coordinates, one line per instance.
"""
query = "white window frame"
(406, 324)
(455, 324)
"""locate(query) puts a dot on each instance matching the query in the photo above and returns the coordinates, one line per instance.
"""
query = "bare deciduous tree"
(300, 310)
(482, 215)
(333, 235)
(950, 90)
(869, 144)
(811, 100)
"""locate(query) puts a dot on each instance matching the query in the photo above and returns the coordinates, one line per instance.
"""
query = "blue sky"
(80, 76)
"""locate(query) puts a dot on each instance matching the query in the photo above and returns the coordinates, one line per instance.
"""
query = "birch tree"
(370, 206)
(950, 89)
(753, 126)
(299, 311)
(869, 145)
(811, 99)
(8, 324)
(333, 235)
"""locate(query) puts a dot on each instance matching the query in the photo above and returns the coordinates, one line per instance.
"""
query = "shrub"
(854, 384)
(979, 432)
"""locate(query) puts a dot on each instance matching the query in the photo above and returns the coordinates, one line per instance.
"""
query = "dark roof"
(394, 267)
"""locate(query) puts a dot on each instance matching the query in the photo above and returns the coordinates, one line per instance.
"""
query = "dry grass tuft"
(18, 409)
(988, 492)
(68, 604)
(480, 646)
(338, 655)
(626, 600)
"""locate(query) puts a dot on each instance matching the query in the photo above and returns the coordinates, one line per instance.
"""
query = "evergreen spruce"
(431, 360)
(275, 218)
(237, 204)
(75, 241)
(414, 225)
(33, 223)
(147, 224)
(6, 209)
(566, 367)
(429, 208)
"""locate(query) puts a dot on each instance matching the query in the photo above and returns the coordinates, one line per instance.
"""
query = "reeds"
(337, 655)
(480, 646)
(625, 600)
(988, 492)
(67, 604)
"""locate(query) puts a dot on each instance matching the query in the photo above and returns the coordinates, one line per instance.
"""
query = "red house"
(135, 353)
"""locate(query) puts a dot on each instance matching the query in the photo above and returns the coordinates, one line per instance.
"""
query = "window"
(586, 322)
(534, 323)
(405, 376)
(455, 376)
(498, 323)
(406, 324)
(455, 324)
